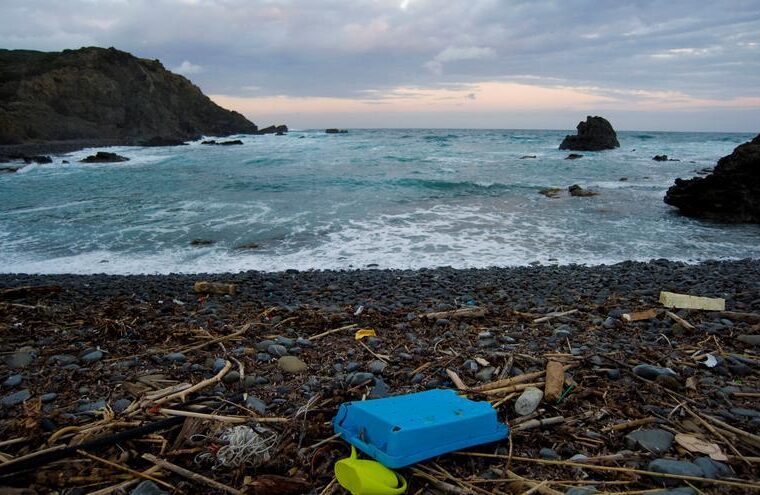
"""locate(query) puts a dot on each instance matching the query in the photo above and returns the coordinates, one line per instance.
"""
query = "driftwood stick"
(556, 314)
(190, 475)
(182, 395)
(334, 330)
(126, 484)
(124, 468)
(512, 388)
(614, 469)
(509, 381)
(457, 313)
(231, 336)
(537, 423)
(679, 320)
(631, 424)
(221, 418)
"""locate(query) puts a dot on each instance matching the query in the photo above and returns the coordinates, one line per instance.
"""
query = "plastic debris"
(240, 445)
(402, 430)
(365, 332)
(365, 477)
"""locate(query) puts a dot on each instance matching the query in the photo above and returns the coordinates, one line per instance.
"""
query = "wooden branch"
(509, 381)
(191, 475)
(126, 484)
(329, 332)
(679, 320)
(198, 386)
(538, 423)
(461, 313)
(631, 424)
(220, 417)
(28, 290)
(556, 314)
(639, 315)
(124, 468)
(594, 467)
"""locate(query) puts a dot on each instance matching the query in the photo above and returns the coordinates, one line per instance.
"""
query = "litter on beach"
(399, 431)
(685, 301)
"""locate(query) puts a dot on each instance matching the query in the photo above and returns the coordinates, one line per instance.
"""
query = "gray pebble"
(218, 365)
(486, 374)
(528, 401)
(681, 468)
(231, 377)
(19, 360)
(470, 366)
(547, 453)
(753, 340)
(655, 440)
(277, 350)
(305, 343)
(62, 359)
(13, 381)
(712, 468)
(352, 366)
(92, 357)
(91, 406)
(16, 398)
(147, 487)
(49, 397)
(256, 404)
(417, 378)
(263, 357)
(287, 342)
(176, 357)
(652, 372)
(376, 367)
(121, 405)
(357, 378)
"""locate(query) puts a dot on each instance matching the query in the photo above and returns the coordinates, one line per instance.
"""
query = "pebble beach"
(87, 355)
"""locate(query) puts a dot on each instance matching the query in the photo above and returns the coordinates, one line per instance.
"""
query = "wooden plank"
(640, 315)
(685, 301)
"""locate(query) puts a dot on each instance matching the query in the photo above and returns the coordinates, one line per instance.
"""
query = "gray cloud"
(345, 48)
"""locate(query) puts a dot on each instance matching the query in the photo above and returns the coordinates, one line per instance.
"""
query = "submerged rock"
(104, 157)
(730, 194)
(578, 191)
(595, 134)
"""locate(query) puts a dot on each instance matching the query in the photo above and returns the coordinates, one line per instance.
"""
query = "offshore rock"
(595, 134)
(730, 194)
(104, 157)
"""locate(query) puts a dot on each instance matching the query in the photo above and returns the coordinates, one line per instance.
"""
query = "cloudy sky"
(646, 65)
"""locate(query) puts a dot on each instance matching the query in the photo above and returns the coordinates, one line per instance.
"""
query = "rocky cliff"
(731, 193)
(104, 95)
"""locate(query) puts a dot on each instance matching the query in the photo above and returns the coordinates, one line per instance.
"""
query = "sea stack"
(731, 193)
(595, 134)
(101, 95)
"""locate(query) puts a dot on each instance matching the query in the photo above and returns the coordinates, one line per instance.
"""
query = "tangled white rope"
(241, 445)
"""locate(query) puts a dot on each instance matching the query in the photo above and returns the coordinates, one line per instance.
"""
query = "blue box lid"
(402, 430)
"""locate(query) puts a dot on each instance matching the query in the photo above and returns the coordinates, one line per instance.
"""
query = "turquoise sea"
(369, 198)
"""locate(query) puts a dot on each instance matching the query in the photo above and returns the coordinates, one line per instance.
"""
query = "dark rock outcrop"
(214, 142)
(100, 94)
(273, 129)
(336, 131)
(573, 156)
(105, 157)
(730, 194)
(595, 134)
(578, 191)
(664, 158)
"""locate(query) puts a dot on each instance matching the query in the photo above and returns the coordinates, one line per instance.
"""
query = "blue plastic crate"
(399, 431)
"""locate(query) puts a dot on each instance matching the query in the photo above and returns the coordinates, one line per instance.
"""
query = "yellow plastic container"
(365, 477)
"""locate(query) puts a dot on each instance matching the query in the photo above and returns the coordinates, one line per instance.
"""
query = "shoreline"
(346, 285)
